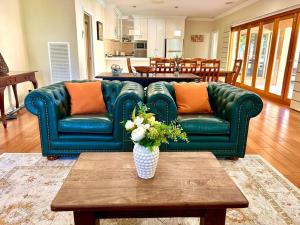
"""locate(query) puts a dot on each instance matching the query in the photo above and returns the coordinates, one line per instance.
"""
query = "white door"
(156, 37)
(160, 37)
(151, 44)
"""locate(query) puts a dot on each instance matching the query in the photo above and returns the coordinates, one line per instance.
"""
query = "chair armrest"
(131, 94)
(228, 101)
(49, 104)
(161, 102)
(237, 106)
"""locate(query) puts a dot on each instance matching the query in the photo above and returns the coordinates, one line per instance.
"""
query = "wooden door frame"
(275, 19)
(91, 43)
(290, 58)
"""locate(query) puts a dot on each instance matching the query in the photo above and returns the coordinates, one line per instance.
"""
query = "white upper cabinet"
(141, 27)
(156, 37)
(113, 24)
(175, 27)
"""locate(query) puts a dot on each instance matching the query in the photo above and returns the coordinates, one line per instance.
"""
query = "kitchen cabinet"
(140, 24)
(175, 24)
(156, 37)
(113, 24)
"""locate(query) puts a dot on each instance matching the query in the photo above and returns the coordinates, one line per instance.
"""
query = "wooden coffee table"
(186, 184)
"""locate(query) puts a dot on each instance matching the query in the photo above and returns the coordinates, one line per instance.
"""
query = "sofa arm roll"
(131, 94)
(161, 102)
(49, 105)
(228, 101)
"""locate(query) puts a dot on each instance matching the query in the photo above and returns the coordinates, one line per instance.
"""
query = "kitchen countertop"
(124, 58)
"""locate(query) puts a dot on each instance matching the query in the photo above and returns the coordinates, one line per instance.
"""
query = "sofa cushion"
(203, 124)
(89, 123)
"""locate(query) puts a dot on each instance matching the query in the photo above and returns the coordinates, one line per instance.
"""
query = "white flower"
(138, 134)
(129, 125)
(146, 126)
(151, 120)
(138, 121)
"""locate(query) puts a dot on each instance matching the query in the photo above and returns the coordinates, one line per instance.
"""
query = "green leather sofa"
(65, 135)
(224, 132)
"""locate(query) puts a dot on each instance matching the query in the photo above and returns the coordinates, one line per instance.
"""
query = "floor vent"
(59, 60)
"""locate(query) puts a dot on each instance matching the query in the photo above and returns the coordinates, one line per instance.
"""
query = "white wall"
(96, 11)
(49, 21)
(13, 46)
(197, 49)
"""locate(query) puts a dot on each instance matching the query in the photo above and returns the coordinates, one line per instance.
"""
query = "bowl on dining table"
(144, 69)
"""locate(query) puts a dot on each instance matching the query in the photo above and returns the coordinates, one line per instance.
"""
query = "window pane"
(294, 70)
(241, 50)
(251, 55)
(264, 56)
(233, 47)
(281, 53)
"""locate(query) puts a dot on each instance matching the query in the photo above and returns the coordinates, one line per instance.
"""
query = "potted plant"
(147, 135)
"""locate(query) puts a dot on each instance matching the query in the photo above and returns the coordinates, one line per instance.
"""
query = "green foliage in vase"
(148, 132)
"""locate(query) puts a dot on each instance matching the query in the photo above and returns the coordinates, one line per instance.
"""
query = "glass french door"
(251, 56)
(281, 55)
(296, 59)
(270, 50)
(241, 49)
(264, 53)
(233, 49)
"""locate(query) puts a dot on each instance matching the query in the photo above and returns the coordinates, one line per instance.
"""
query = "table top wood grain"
(183, 180)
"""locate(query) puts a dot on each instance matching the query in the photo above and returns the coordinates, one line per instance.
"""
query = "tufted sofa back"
(222, 96)
(60, 97)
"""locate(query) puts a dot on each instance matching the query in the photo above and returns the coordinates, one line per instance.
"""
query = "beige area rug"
(28, 183)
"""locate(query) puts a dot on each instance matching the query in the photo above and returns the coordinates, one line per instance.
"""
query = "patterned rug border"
(247, 155)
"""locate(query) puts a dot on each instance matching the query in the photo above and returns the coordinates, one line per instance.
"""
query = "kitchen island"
(122, 62)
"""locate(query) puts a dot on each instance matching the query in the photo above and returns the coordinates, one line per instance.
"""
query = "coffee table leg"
(214, 217)
(86, 218)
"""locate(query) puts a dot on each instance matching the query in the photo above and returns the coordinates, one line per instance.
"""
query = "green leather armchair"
(224, 132)
(65, 135)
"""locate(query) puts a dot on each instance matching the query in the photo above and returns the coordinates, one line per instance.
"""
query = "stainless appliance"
(174, 47)
(140, 48)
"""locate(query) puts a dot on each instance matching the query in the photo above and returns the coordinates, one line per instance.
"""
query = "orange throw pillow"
(192, 97)
(86, 97)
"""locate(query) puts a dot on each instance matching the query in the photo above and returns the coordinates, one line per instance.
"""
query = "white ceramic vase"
(145, 161)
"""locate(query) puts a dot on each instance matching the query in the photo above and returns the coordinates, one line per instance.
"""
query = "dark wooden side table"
(13, 78)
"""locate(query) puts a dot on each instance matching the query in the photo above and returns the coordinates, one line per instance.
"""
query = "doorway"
(88, 45)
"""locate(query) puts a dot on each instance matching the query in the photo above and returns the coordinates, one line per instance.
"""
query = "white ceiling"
(192, 8)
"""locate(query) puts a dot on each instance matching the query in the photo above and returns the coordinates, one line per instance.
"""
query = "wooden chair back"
(153, 61)
(187, 66)
(165, 66)
(129, 65)
(209, 70)
(236, 70)
(198, 61)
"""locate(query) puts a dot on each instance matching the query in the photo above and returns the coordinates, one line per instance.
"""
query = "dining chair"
(198, 61)
(165, 66)
(209, 70)
(129, 65)
(153, 61)
(187, 66)
(236, 70)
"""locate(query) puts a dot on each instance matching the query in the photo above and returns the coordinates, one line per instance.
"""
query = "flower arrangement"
(148, 132)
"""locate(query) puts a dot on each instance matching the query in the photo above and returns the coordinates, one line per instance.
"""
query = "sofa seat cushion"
(203, 124)
(90, 123)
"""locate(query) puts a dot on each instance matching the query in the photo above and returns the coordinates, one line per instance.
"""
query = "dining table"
(146, 79)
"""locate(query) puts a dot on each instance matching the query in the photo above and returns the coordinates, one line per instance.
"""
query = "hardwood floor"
(274, 134)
